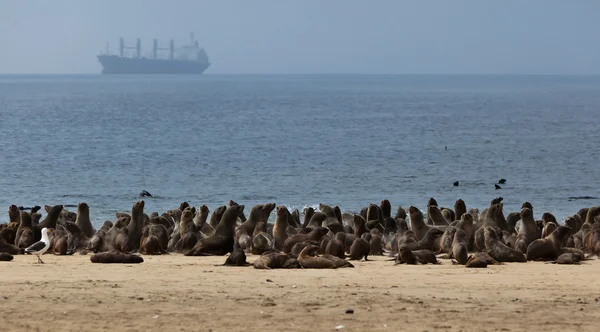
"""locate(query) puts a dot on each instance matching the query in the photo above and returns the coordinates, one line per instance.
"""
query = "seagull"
(40, 247)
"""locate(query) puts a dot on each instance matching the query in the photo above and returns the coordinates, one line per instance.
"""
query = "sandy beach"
(178, 293)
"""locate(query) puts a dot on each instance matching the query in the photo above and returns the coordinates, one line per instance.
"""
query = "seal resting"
(567, 258)
(275, 260)
(309, 260)
(498, 250)
(6, 257)
(220, 243)
(116, 257)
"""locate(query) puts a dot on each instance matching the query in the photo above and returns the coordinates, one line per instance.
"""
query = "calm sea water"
(298, 140)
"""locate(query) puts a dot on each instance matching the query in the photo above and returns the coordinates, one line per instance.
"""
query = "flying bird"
(40, 247)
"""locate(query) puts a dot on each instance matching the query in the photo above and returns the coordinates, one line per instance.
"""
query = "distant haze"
(312, 36)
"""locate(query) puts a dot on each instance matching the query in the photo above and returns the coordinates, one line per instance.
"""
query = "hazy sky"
(312, 36)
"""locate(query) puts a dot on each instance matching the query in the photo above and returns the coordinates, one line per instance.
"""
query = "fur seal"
(116, 257)
(336, 247)
(279, 229)
(498, 250)
(9, 248)
(201, 216)
(435, 215)
(481, 259)
(48, 222)
(261, 240)
(83, 219)
(548, 248)
(316, 235)
(567, 258)
(405, 256)
(528, 231)
(460, 208)
(236, 258)
(216, 216)
(25, 236)
(242, 216)
(386, 208)
(222, 241)
(276, 260)
(459, 247)
(400, 213)
(359, 249)
(6, 257)
(309, 260)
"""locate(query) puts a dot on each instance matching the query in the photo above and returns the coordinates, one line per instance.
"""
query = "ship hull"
(112, 64)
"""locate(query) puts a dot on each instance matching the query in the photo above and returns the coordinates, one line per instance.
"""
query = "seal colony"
(326, 238)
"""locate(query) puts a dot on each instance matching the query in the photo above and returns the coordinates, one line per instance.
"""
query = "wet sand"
(178, 293)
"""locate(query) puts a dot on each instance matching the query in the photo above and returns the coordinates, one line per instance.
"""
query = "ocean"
(299, 140)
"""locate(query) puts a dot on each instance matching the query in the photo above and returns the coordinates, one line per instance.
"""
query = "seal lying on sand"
(116, 257)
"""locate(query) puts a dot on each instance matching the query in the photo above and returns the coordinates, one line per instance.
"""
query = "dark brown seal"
(83, 219)
(549, 247)
(236, 258)
(9, 248)
(498, 250)
(405, 256)
(309, 260)
(6, 257)
(216, 216)
(116, 257)
(222, 241)
(24, 237)
(359, 249)
(460, 208)
(316, 234)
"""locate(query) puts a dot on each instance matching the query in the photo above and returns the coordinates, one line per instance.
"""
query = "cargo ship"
(189, 59)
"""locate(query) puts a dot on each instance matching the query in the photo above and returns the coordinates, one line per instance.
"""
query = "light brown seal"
(498, 250)
(276, 260)
(309, 260)
(528, 231)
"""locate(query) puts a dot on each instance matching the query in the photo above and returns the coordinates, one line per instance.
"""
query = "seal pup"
(405, 256)
(567, 258)
(116, 258)
(275, 260)
(480, 260)
(309, 260)
(336, 247)
(498, 250)
(40, 247)
(222, 241)
(359, 249)
(6, 257)
(237, 257)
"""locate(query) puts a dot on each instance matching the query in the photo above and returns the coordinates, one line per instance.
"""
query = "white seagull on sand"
(40, 247)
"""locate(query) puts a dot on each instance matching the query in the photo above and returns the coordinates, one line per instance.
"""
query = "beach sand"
(178, 293)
